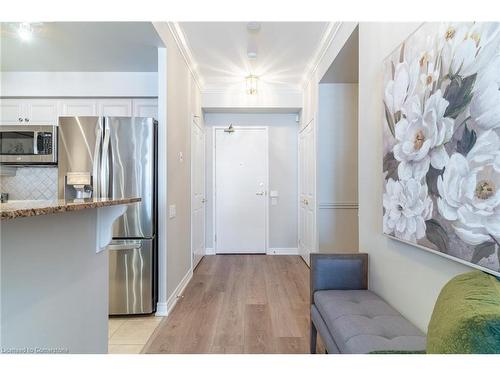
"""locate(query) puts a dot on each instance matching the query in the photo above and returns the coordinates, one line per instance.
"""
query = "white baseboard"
(164, 309)
(283, 251)
(161, 309)
(209, 251)
(272, 251)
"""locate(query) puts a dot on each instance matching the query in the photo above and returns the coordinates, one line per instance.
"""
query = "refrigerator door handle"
(125, 246)
(97, 157)
(105, 172)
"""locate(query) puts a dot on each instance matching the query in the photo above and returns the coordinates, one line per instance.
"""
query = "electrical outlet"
(172, 211)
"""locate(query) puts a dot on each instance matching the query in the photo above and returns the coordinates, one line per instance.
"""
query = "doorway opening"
(338, 152)
(252, 183)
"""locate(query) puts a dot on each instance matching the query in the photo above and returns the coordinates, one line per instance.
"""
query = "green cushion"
(466, 317)
(398, 352)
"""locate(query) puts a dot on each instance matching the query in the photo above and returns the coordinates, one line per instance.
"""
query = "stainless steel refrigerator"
(116, 157)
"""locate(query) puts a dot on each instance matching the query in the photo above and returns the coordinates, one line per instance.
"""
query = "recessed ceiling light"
(252, 55)
(253, 26)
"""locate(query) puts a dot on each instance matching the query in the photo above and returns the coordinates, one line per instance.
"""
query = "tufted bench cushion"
(361, 322)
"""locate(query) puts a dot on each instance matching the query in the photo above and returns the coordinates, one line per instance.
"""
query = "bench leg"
(314, 336)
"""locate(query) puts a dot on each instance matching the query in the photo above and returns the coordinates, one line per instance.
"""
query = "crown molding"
(182, 44)
(330, 31)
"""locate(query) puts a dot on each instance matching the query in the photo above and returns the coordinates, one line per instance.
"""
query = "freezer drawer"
(130, 277)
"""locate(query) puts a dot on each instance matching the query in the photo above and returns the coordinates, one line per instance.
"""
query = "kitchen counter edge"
(9, 211)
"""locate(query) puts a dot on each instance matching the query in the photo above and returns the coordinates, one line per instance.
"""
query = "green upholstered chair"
(466, 317)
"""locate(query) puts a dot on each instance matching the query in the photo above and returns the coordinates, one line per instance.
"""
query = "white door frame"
(214, 191)
(202, 128)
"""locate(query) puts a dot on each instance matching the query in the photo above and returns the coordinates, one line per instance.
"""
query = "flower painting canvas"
(441, 162)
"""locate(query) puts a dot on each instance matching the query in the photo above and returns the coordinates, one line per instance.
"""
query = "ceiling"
(285, 51)
(344, 68)
(81, 46)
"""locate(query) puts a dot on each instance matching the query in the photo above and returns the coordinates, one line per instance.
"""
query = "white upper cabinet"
(11, 112)
(48, 111)
(41, 112)
(115, 107)
(78, 107)
(145, 108)
(28, 111)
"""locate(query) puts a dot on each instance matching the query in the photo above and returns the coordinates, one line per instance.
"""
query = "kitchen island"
(54, 274)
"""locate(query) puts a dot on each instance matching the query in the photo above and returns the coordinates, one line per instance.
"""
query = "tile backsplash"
(31, 183)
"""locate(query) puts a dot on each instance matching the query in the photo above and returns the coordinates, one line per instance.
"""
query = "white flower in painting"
(470, 191)
(429, 76)
(401, 87)
(485, 104)
(421, 135)
(406, 207)
(468, 47)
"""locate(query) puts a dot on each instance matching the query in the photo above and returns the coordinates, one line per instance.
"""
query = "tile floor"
(128, 335)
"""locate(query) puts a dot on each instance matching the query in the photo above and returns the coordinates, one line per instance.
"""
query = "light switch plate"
(172, 211)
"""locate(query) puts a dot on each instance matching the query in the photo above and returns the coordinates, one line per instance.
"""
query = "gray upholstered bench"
(350, 318)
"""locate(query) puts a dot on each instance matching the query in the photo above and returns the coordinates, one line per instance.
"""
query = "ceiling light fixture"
(252, 82)
(25, 31)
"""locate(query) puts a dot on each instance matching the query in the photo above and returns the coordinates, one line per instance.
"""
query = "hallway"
(240, 304)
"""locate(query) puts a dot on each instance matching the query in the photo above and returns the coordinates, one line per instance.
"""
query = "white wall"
(79, 84)
(182, 101)
(407, 277)
(283, 149)
(338, 167)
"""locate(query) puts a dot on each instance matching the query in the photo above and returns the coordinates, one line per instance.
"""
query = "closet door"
(307, 191)
(198, 192)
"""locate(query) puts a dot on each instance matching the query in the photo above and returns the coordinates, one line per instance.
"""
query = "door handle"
(203, 200)
(124, 247)
(96, 166)
(105, 164)
(260, 193)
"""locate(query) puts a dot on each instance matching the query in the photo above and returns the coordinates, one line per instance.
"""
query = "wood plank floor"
(240, 304)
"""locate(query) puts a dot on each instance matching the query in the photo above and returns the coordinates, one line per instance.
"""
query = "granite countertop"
(13, 209)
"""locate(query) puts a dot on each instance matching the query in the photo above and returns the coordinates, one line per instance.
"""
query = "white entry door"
(198, 197)
(241, 181)
(307, 192)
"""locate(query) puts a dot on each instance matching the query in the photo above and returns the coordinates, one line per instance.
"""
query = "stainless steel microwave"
(28, 144)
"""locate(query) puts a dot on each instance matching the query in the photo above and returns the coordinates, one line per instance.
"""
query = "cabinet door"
(78, 107)
(145, 108)
(41, 112)
(115, 107)
(11, 112)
